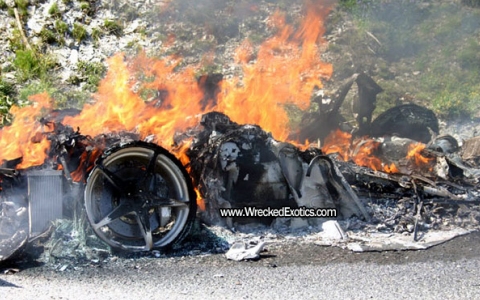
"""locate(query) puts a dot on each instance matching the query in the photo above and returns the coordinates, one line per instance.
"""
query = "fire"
(361, 151)
(200, 200)
(85, 165)
(364, 152)
(284, 70)
(415, 154)
(338, 142)
(23, 138)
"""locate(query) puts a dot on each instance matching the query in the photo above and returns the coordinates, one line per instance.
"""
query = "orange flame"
(85, 165)
(415, 154)
(285, 70)
(362, 152)
(21, 138)
(338, 142)
(200, 200)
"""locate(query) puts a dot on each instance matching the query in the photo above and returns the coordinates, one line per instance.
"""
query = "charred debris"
(235, 166)
(431, 188)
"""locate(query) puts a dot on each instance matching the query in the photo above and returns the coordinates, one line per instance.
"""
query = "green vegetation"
(48, 36)
(54, 11)
(22, 5)
(15, 41)
(439, 43)
(96, 34)
(92, 73)
(3, 5)
(22, 8)
(61, 27)
(32, 65)
(70, 99)
(7, 91)
(471, 3)
(33, 88)
(469, 56)
(85, 6)
(208, 69)
(88, 7)
(113, 27)
(79, 32)
(348, 4)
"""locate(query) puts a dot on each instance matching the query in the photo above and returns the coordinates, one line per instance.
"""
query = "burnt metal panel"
(45, 198)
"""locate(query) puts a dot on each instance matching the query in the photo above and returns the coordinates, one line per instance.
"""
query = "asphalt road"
(287, 271)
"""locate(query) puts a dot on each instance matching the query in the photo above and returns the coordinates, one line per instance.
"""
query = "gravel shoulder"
(449, 271)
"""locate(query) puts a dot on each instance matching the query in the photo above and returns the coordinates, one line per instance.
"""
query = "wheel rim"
(137, 199)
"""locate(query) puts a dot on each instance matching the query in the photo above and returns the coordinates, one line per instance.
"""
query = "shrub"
(7, 91)
(22, 6)
(54, 11)
(113, 27)
(79, 32)
(85, 6)
(93, 72)
(27, 64)
(34, 88)
(48, 36)
(31, 65)
(61, 27)
(348, 4)
(96, 34)
(16, 41)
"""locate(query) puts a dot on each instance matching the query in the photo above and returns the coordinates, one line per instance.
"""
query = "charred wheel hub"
(139, 197)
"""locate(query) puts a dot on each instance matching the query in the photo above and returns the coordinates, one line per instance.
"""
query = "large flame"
(285, 70)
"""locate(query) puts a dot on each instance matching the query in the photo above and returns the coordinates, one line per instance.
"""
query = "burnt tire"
(408, 120)
(139, 197)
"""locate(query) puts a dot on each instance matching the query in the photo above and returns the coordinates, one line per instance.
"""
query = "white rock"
(239, 251)
(65, 75)
(73, 57)
(10, 3)
(332, 230)
(35, 25)
(132, 27)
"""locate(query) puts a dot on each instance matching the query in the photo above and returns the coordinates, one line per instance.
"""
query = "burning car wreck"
(137, 196)
(158, 149)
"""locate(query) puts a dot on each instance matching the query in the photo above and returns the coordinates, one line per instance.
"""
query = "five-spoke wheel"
(139, 197)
